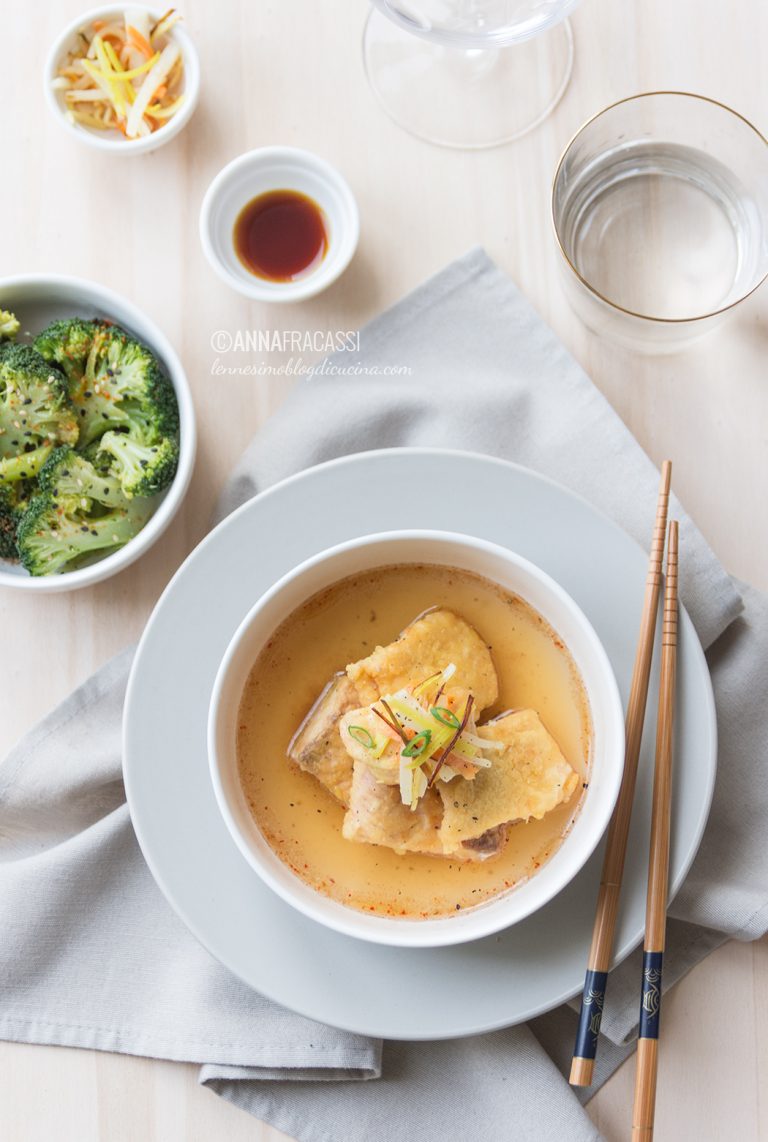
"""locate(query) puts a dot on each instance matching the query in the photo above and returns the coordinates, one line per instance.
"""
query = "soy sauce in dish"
(280, 235)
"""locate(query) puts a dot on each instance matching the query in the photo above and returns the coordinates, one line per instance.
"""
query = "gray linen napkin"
(92, 956)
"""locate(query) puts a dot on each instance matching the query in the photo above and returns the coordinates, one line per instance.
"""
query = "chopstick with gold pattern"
(593, 996)
(658, 866)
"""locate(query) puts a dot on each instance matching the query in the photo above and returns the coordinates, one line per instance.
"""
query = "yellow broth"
(302, 821)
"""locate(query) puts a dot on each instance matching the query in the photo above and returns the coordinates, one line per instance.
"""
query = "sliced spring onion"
(417, 746)
(361, 735)
(445, 716)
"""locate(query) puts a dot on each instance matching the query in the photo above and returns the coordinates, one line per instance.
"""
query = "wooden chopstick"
(593, 996)
(658, 867)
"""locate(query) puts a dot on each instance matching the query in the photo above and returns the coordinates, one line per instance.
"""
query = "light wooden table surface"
(291, 72)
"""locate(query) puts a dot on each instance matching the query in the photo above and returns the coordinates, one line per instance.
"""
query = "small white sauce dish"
(270, 169)
(113, 141)
(513, 573)
(38, 299)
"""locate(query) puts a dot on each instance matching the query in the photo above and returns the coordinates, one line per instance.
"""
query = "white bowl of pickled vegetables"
(450, 770)
(123, 80)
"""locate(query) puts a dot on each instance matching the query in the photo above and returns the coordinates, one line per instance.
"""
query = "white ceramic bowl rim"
(503, 910)
(125, 313)
(163, 134)
(294, 168)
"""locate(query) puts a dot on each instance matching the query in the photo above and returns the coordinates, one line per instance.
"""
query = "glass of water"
(468, 73)
(660, 209)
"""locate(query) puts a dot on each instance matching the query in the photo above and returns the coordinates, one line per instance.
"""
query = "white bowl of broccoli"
(97, 433)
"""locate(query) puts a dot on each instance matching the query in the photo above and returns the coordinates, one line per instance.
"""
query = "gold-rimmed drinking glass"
(660, 211)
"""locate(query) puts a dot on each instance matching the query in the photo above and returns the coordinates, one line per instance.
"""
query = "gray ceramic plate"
(392, 992)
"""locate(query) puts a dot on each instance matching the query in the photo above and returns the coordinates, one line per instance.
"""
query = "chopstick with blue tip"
(658, 867)
(593, 996)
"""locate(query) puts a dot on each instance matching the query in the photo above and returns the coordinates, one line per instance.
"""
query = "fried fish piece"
(528, 778)
(425, 647)
(377, 816)
(317, 746)
(386, 767)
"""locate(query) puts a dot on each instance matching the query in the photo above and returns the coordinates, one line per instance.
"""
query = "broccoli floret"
(114, 380)
(9, 325)
(25, 465)
(69, 475)
(102, 461)
(34, 407)
(67, 344)
(142, 469)
(56, 535)
(14, 499)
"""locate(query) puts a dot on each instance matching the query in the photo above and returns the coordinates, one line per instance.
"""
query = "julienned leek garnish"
(392, 721)
(430, 732)
(447, 751)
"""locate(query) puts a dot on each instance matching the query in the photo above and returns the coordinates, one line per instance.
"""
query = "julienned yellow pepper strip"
(116, 95)
(100, 80)
(122, 75)
(159, 112)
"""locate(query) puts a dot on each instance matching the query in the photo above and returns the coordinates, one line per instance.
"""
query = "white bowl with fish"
(416, 738)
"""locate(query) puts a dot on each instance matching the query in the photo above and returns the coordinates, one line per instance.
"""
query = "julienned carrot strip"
(139, 41)
(98, 25)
